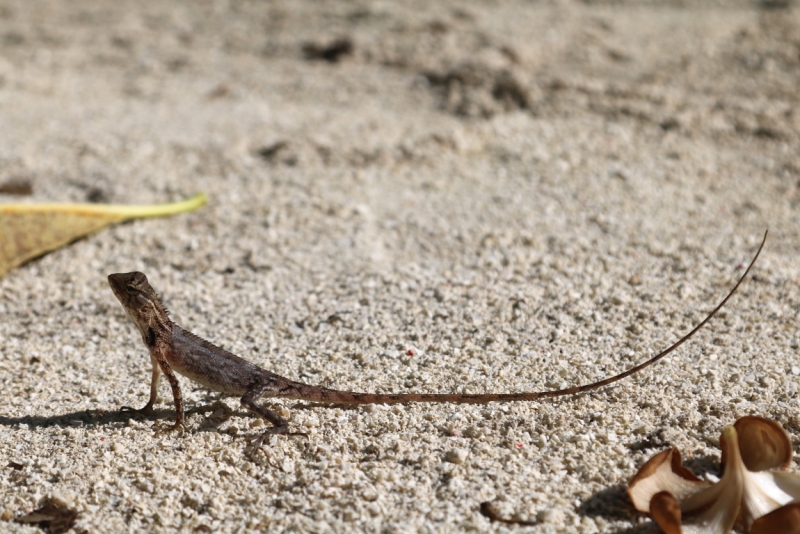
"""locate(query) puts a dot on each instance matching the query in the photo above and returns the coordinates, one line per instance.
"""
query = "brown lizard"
(173, 349)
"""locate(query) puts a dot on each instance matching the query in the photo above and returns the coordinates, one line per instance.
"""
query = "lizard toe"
(165, 428)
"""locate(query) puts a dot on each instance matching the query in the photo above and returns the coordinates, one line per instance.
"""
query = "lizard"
(175, 350)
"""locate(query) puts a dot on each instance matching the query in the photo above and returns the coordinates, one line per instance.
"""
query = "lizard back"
(213, 367)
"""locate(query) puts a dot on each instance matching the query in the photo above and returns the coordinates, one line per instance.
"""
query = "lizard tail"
(303, 391)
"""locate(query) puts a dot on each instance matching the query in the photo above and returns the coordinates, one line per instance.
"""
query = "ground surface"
(492, 197)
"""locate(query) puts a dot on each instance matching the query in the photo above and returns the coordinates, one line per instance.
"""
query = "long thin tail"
(303, 391)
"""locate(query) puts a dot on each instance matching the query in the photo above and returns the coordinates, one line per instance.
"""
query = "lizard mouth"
(116, 283)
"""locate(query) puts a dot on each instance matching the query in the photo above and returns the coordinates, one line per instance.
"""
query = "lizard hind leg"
(279, 424)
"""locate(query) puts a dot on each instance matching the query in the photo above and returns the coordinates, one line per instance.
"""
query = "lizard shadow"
(82, 418)
(75, 419)
(220, 413)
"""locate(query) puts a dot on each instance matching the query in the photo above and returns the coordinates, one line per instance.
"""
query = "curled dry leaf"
(747, 494)
(763, 443)
(666, 512)
(785, 520)
(30, 230)
(664, 471)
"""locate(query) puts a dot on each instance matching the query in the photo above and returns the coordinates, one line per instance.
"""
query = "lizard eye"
(130, 288)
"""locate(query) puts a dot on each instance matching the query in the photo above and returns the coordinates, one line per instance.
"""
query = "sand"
(418, 196)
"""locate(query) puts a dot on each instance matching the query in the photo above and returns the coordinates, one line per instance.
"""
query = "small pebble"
(550, 516)
(64, 500)
(456, 456)
(287, 466)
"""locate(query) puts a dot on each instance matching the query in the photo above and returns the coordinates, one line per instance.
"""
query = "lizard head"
(139, 300)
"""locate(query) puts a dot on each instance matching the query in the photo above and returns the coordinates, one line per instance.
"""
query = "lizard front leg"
(148, 408)
(158, 354)
(280, 425)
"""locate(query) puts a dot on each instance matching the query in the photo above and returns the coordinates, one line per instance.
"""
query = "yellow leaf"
(30, 230)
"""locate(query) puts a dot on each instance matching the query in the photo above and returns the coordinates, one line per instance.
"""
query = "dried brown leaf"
(29, 230)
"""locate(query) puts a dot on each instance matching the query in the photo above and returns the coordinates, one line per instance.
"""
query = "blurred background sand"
(413, 196)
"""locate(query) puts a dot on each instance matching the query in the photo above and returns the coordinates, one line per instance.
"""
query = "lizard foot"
(165, 428)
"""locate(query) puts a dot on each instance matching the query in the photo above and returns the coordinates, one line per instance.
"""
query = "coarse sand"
(404, 197)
